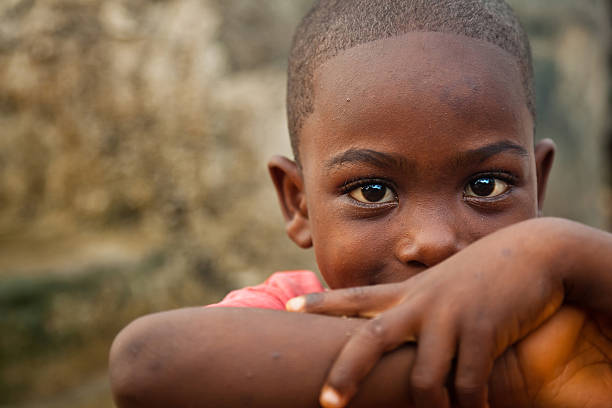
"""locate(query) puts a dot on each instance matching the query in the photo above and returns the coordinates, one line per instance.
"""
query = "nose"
(428, 243)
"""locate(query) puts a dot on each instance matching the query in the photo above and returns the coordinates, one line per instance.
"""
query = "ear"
(544, 157)
(289, 185)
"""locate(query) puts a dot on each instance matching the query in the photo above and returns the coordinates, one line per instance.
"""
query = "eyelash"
(351, 184)
(358, 182)
(503, 175)
(510, 179)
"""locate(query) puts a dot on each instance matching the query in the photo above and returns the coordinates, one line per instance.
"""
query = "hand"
(565, 362)
(469, 308)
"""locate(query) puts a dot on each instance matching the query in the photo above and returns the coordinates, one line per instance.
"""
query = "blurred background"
(133, 141)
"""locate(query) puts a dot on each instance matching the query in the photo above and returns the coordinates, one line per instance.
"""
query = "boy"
(418, 184)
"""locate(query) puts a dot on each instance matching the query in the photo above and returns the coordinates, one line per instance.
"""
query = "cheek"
(479, 224)
(348, 255)
(526, 205)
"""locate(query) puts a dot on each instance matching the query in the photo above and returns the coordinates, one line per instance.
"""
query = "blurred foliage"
(133, 141)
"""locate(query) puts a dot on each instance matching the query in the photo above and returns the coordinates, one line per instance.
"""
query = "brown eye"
(373, 193)
(486, 187)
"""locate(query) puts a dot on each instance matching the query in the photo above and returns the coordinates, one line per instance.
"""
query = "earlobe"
(290, 190)
(544, 157)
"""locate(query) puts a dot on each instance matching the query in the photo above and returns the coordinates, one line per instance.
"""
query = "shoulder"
(274, 292)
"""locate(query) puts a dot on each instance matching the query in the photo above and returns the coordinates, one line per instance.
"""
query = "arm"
(229, 357)
(224, 357)
(470, 309)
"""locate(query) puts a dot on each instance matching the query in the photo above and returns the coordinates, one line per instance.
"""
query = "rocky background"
(133, 141)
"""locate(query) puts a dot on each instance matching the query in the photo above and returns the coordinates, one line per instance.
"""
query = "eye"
(486, 187)
(373, 193)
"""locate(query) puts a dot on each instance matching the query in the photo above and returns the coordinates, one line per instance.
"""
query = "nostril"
(416, 265)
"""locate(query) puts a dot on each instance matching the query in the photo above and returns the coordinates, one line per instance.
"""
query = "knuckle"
(481, 329)
(468, 386)
(376, 330)
(422, 383)
(356, 294)
(314, 300)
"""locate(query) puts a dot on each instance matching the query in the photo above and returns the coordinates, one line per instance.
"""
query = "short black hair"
(333, 26)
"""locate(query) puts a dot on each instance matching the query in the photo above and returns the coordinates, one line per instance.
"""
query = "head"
(412, 127)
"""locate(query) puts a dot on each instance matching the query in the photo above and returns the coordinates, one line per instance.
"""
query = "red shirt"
(274, 292)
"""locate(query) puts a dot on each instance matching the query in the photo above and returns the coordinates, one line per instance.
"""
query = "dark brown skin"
(440, 309)
(228, 357)
(404, 135)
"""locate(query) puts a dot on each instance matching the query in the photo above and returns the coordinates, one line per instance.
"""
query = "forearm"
(237, 357)
(584, 262)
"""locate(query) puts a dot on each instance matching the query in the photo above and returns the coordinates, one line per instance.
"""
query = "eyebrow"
(390, 161)
(378, 159)
(483, 153)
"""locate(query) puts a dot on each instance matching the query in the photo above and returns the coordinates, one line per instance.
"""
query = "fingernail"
(296, 304)
(330, 398)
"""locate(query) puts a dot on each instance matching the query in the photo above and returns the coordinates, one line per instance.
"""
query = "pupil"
(373, 192)
(484, 186)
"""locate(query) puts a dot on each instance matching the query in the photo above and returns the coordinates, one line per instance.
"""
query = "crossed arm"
(469, 309)
(231, 357)
(228, 357)
(245, 357)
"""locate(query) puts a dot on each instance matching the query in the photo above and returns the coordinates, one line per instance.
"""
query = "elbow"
(129, 361)
(169, 359)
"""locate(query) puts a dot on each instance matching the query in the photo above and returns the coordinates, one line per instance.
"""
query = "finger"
(507, 387)
(362, 352)
(437, 347)
(475, 362)
(363, 301)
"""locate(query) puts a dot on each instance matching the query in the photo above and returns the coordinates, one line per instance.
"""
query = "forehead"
(427, 87)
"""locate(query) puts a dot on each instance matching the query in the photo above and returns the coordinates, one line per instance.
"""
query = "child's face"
(418, 146)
